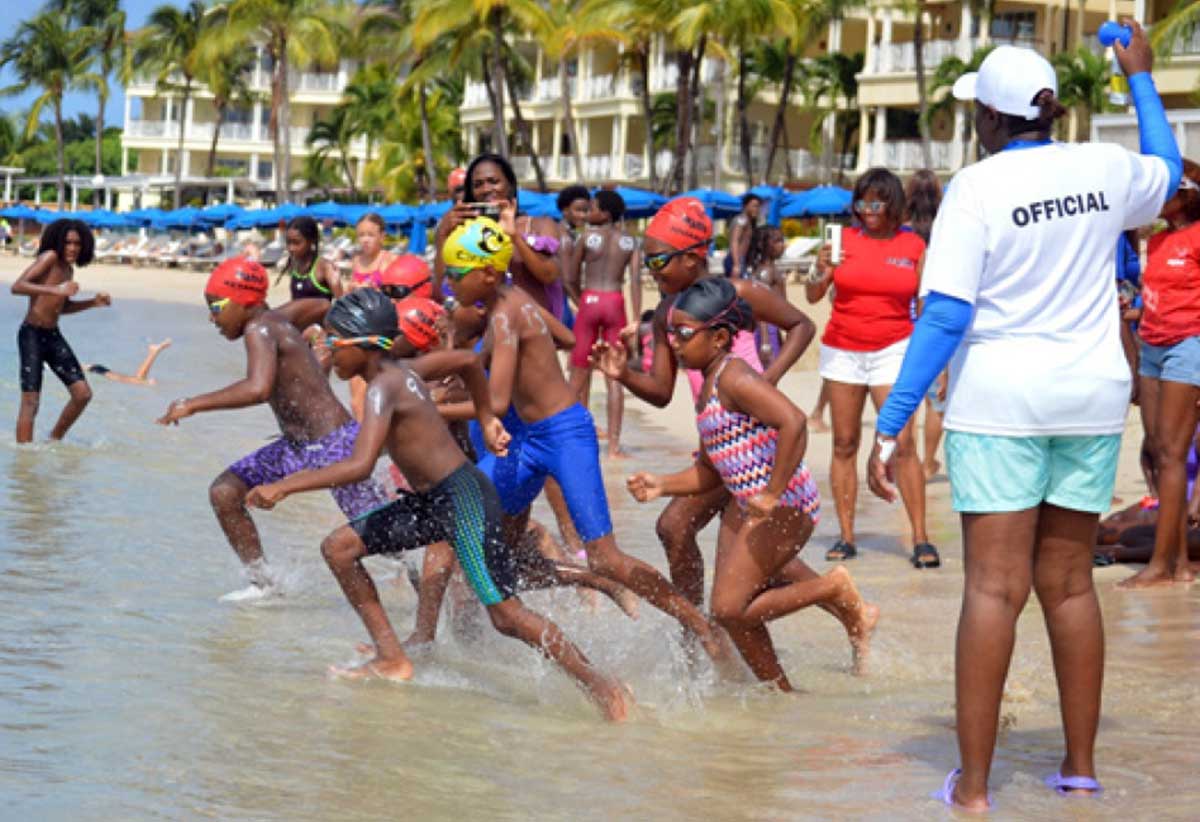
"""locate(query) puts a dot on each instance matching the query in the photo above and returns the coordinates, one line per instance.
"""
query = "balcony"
(600, 87)
(905, 155)
(152, 128)
(901, 58)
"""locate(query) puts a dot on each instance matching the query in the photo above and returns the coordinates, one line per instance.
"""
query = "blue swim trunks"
(565, 447)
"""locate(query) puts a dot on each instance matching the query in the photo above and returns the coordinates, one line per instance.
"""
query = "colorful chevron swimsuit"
(742, 449)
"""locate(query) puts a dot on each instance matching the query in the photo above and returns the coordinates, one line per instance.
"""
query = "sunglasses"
(399, 292)
(219, 306)
(873, 207)
(657, 262)
(333, 341)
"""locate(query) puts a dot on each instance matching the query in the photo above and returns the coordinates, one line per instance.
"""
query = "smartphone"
(487, 209)
(833, 238)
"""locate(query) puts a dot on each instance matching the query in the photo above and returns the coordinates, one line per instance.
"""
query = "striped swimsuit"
(742, 449)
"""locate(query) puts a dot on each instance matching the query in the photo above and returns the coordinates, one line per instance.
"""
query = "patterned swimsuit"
(742, 449)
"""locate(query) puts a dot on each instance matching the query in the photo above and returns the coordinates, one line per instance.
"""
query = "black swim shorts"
(45, 346)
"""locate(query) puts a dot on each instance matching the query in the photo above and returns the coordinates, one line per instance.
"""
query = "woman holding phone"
(875, 281)
(1019, 301)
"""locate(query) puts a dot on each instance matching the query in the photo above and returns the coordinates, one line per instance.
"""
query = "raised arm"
(29, 283)
(330, 276)
(255, 388)
(769, 307)
(815, 291)
(635, 283)
(655, 387)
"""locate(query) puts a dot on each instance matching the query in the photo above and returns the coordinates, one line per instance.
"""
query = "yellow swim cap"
(478, 243)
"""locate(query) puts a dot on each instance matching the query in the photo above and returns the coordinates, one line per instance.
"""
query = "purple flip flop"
(946, 794)
(1069, 785)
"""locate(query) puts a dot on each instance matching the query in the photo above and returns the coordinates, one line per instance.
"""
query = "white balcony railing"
(888, 58)
(598, 87)
(665, 80)
(905, 155)
(151, 128)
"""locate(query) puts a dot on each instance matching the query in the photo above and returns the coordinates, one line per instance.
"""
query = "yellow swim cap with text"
(478, 243)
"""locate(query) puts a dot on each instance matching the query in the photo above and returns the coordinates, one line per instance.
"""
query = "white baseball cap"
(1008, 80)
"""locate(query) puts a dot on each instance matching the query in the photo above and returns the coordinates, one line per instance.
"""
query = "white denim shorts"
(868, 368)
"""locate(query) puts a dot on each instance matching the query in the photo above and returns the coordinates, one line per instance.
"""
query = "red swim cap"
(681, 223)
(241, 280)
(457, 177)
(419, 320)
(410, 271)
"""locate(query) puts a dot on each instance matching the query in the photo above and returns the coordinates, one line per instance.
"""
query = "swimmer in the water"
(596, 272)
(451, 500)
(560, 435)
(280, 370)
(141, 376)
(752, 443)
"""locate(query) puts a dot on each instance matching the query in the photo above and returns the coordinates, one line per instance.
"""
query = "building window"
(232, 165)
(1014, 25)
(266, 170)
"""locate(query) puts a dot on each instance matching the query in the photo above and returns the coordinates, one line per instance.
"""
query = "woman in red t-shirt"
(875, 285)
(1169, 373)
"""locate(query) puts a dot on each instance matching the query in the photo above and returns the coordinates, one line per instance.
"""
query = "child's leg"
(227, 494)
(1062, 577)
(81, 395)
(152, 352)
(435, 576)
(816, 419)
(61, 359)
(343, 551)
(566, 528)
(512, 618)
(998, 555)
(677, 528)
(616, 412)
(26, 414)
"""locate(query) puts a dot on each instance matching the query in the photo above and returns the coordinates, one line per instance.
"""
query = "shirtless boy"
(450, 499)
(49, 283)
(559, 439)
(741, 230)
(282, 370)
(597, 267)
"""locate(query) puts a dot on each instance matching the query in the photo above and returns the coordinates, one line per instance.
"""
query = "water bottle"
(1118, 86)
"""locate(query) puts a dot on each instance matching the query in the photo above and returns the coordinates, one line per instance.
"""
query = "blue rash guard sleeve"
(934, 340)
(1156, 137)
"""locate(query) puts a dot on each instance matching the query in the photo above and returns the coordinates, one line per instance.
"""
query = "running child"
(450, 501)
(141, 376)
(314, 281)
(675, 252)
(559, 439)
(752, 443)
(281, 370)
(597, 266)
(49, 283)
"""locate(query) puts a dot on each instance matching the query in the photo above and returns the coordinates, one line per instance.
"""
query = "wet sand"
(127, 691)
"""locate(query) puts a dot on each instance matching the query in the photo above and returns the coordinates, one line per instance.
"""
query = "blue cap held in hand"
(1112, 31)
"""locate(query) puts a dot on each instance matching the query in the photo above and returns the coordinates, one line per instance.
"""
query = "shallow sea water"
(128, 692)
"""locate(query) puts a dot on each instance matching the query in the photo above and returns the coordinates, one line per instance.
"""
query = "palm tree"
(464, 20)
(331, 133)
(107, 20)
(226, 74)
(168, 45)
(1082, 85)
(43, 53)
(944, 78)
(826, 79)
(1181, 23)
(294, 34)
(640, 24)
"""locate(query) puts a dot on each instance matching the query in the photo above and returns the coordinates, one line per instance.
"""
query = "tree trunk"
(187, 95)
(743, 120)
(427, 142)
(524, 130)
(62, 157)
(97, 194)
(719, 131)
(789, 70)
(922, 95)
(697, 112)
(278, 94)
(847, 133)
(565, 85)
(285, 123)
(642, 53)
(683, 118)
(212, 147)
(499, 132)
(491, 94)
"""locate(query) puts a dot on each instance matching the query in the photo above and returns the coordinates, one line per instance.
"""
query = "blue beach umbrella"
(397, 214)
(220, 214)
(328, 210)
(640, 203)
(20, 212)
(537, 205)
(773, 198)
(718, 204)
(822, 201)
(180, 218)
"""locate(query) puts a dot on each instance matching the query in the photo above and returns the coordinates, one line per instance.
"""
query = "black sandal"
(925, 555)
(841, 550)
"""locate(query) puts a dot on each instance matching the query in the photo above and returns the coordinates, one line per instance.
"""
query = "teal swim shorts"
(994, 474)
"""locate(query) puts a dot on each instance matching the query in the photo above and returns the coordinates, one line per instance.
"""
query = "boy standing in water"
(49, 284)
(559, 438)
(451, 499)
(598, 263)
(282, 370)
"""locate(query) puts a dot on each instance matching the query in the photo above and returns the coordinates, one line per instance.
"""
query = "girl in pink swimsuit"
(752, 442)
(366, 271)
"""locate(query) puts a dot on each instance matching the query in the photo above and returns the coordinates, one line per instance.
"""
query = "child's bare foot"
(160, 346)
(931, 469)
(1184, 573)
(724, 655)
(616, 452)
(398, 670)
(614, 698)
(858, 617)
(1152, 576)
(817, 424)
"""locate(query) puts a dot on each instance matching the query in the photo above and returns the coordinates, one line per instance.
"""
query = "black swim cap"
(715, 301)
(363, 313)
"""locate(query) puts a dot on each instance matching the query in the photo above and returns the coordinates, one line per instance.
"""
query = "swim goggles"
(686, 332)
(399, 292)
(218, 306)
(872, 207)
(657, 262)
(376, 340)
(457, 273)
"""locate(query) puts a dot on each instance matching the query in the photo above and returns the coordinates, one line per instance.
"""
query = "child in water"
(49, 283)
(752, 442)
(281, 370)
(141, 376)
(450, 501)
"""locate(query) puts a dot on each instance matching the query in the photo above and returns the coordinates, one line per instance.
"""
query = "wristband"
(887, 447)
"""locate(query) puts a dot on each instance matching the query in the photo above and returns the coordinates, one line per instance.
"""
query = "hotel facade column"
(556, 149)
(829, 127)
(877, 158)
(864, 143)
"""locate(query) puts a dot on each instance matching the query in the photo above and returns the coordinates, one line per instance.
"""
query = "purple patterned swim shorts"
(285, 457)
